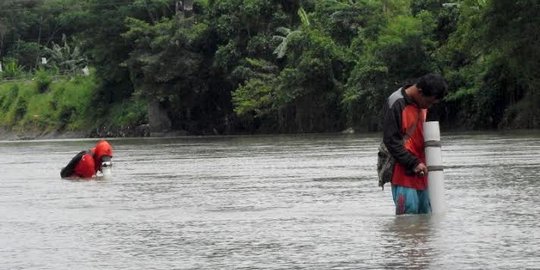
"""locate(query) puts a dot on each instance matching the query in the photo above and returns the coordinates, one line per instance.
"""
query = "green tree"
(511, 36)
(402, 51)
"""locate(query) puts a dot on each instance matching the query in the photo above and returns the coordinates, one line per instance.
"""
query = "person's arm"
(393, 137)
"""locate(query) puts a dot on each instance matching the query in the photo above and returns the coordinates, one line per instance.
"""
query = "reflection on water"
(407, 241)
(270, 202)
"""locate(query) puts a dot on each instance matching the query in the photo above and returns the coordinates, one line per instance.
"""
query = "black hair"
(432, 85)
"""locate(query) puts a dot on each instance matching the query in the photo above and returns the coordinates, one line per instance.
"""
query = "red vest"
(85, 168)
(403, 126)
(414, 145)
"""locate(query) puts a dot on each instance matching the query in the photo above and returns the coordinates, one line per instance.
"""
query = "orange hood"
(103, 148)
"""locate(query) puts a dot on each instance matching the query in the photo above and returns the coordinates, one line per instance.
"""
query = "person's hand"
(421, 169)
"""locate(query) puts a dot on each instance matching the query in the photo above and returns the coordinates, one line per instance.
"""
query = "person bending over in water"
(87, 163)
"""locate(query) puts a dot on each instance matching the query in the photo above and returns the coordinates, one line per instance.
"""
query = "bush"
(43, 79)
(129, 114)
(20, 95)
(11, 69)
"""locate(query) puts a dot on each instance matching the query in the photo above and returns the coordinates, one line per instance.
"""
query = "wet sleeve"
(393, 137)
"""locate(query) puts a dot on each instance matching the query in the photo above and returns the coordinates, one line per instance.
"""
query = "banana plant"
(67, 58)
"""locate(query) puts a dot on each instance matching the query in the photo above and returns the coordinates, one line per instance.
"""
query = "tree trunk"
(157, 117)
(188, 8)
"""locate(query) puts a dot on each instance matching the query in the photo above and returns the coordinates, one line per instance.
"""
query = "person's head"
(432, 89)
(102, 154)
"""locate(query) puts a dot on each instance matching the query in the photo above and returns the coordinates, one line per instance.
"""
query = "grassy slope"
(63, 105)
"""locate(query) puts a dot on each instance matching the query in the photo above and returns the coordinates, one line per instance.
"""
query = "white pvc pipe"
(432, 141)
(107, 172)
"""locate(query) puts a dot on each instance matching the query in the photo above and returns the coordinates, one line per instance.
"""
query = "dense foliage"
(229, 66)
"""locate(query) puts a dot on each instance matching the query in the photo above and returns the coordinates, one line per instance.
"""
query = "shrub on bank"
(64, 104)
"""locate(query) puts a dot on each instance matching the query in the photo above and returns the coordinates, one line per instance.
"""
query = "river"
(266, 202)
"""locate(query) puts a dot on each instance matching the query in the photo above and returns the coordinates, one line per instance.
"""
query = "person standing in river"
(405, 112)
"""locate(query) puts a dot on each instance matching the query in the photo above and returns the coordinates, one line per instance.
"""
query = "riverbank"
(140, 131)
(6, 135)
(143, 131)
